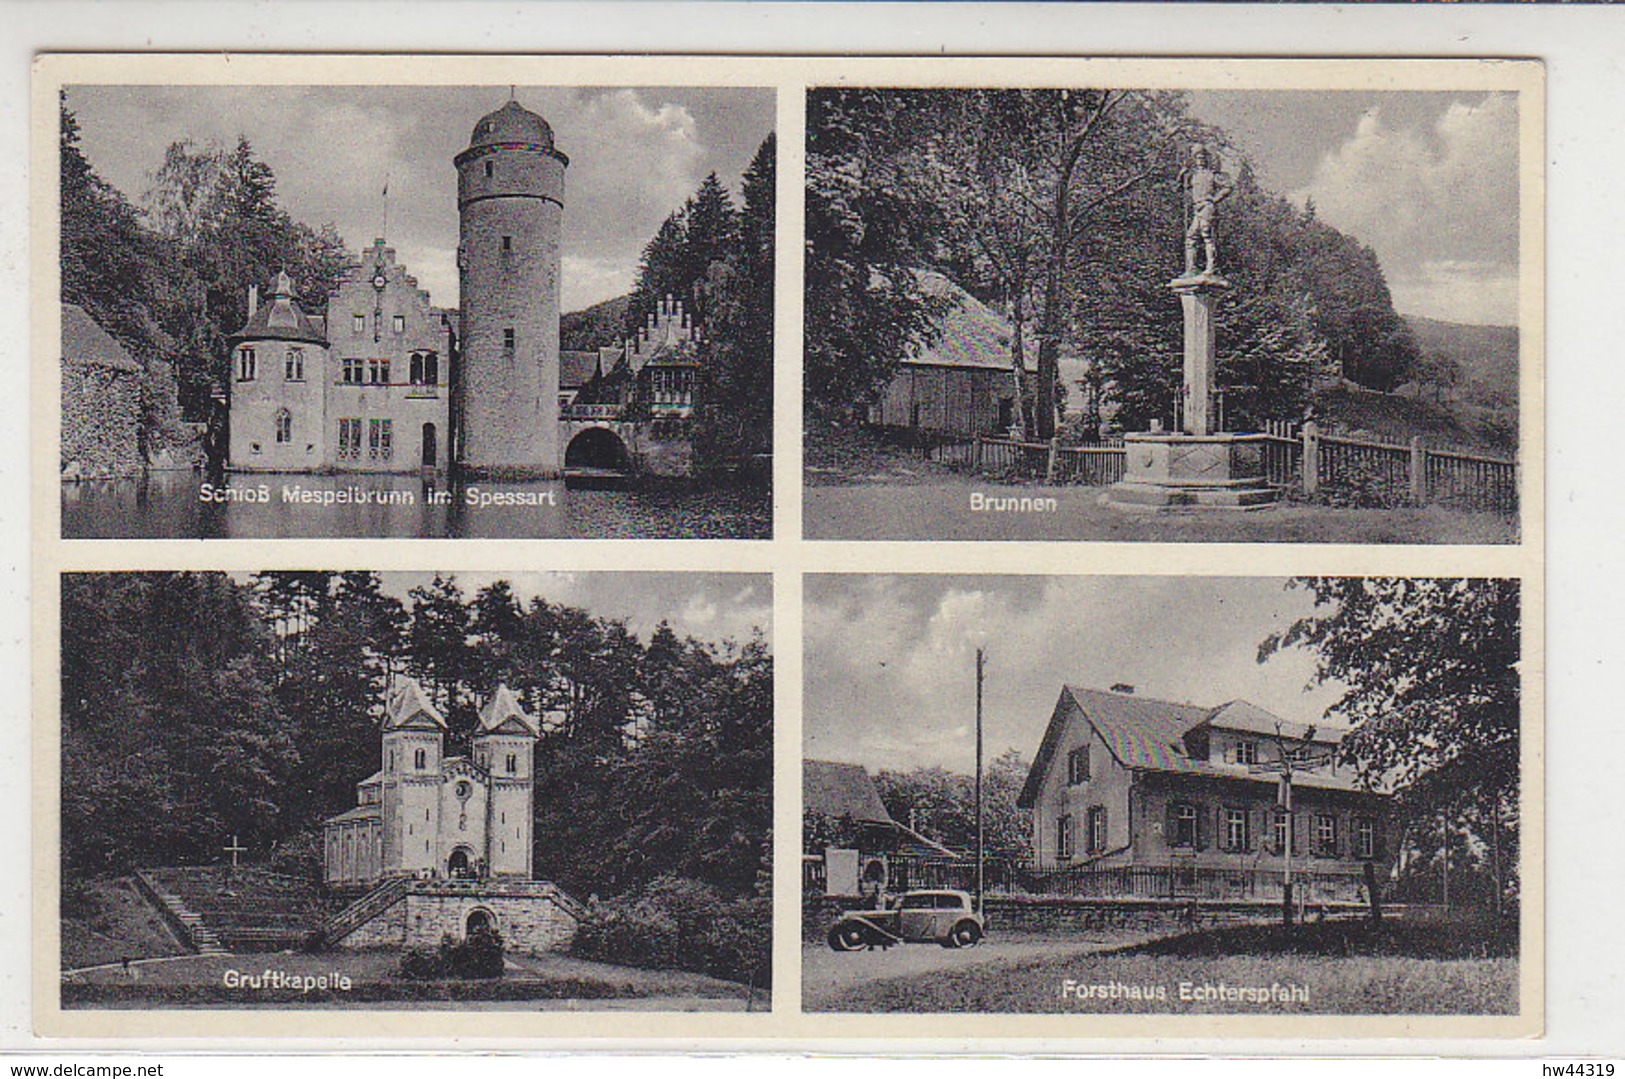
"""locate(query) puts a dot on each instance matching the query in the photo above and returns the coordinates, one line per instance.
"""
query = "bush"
(676, 923)
(477, 956)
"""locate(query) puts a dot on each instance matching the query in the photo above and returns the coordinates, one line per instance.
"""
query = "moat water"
(184, 505)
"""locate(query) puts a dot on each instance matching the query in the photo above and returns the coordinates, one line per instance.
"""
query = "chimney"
(253, 299)
(1123, 687)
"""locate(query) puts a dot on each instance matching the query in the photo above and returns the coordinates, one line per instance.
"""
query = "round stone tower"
(510, 199)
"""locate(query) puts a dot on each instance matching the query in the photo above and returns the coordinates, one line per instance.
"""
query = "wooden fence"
(1343, 471)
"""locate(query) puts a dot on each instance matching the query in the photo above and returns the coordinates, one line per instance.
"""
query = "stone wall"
(101, 416)
(537, 922)
(387, 930)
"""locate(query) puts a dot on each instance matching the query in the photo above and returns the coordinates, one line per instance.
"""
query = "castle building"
(101, 401)
(363, 388)
(510, 203)
(426, 815)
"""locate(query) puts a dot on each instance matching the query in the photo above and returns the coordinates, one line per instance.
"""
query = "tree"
(869, 230)
(1432, 670)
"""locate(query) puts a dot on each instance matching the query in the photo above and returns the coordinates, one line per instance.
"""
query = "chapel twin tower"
(510, 205)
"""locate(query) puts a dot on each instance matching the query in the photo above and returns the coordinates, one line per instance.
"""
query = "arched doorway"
(479, 920)
(457, 866)
(431, 451)
(597, 448)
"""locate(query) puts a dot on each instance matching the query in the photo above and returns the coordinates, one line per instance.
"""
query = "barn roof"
(1152, 735)
(972, 333)
(839, 789)
(84, 341)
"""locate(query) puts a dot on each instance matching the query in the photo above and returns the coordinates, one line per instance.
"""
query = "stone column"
(1198, 296)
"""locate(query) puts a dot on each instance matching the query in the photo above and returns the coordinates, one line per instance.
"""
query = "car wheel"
(964, 935)
(848, 936)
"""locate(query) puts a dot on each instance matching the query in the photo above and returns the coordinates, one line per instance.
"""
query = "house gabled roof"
(84, 341)
(408, 706)
(972, 333)
(576, 368)
(838, 789)
(503, 714)
(1151, 735)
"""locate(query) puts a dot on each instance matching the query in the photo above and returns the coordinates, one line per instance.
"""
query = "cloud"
(891, 672)
(1438, 204)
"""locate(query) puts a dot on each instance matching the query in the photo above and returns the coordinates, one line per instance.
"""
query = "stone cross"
(235, 849)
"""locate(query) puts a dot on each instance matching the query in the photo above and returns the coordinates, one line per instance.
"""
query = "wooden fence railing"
(1350, 471)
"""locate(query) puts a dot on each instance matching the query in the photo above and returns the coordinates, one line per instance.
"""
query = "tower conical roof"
(502, 707)
(280, 319)
(408, 706)
(511, 123)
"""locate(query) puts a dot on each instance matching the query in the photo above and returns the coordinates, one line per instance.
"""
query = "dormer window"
(1246, 752)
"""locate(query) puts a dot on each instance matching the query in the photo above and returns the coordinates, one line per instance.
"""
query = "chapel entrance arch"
(479, 919)
(459, 865)
(598, 448)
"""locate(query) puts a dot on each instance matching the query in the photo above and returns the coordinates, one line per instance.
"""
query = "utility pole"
(1303, 757)
(980, 855)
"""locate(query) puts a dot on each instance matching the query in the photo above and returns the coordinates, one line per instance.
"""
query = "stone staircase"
(248, 909)
(363, 910)
(183, 921)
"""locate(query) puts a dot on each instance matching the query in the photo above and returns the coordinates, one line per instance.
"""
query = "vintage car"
(947, 918)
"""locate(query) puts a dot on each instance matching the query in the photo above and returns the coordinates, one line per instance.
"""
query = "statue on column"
(1208, 187)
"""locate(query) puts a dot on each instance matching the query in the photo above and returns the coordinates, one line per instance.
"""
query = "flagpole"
(385, 233)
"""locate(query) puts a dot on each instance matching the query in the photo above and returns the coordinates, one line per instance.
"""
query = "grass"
(105, 921)
(201, 981)
(1344, 968)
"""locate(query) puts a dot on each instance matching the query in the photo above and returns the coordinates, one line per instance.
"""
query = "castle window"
(1077, 766)
(513, 763)
(381, 440)
(358, 323)
(507, 339)
(1063, 836)
(488, 169)
(294, 368)
(398, 323)
(352, 371)
(507, 243)
(378, 372)
(350, 438)
(1247, 752)
(420, 759)
(425, 369)
(247, 367)
(284, 426)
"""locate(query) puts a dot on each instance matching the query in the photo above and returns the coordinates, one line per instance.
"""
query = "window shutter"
(1199, 825)
(1171, 825)
(1377, 847)
(1252, 832)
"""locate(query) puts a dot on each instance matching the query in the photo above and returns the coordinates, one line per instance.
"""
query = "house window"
(1077, 766)
(1247, 752)
(1326, 835)
(1097, 828)
(1182, 825)
(358, 323)
(247, 368)
(284, 426)
(398, 323)
(420, 758)
(1235, 829)
(1063, 836)
(380, 439)
(507, 339)
(353, 370)
(1365, 838)
(294, 366)
(350, 438)
(1283, 832)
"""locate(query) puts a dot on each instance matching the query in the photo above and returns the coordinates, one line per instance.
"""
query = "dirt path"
(828, 974)
(936, 507)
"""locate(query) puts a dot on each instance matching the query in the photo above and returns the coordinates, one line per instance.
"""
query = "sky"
(1428, 180)
(712, 607)
(890, 659)
(635, 155)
